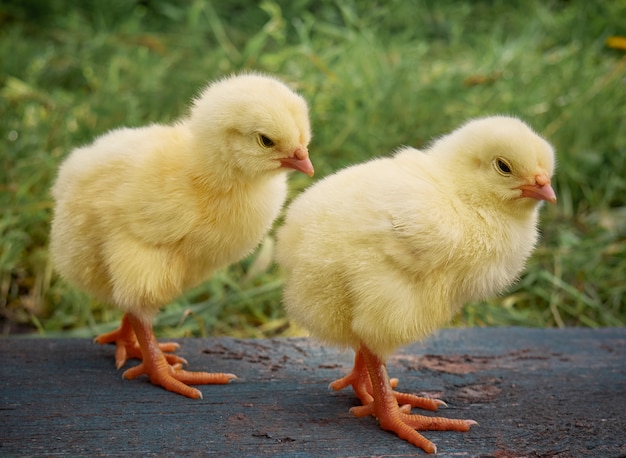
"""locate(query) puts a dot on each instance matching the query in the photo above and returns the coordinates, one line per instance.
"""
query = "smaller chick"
(384, 253)
(143, 214)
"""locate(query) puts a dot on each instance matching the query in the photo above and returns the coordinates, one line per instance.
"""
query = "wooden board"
(534, 393)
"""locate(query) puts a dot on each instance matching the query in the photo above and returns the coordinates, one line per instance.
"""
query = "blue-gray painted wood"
(535, 393)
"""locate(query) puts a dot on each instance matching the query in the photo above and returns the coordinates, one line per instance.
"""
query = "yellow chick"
(382, 254)
(143, 214)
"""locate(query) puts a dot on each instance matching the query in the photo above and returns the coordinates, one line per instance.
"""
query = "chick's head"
(503, 163)
(253, 124)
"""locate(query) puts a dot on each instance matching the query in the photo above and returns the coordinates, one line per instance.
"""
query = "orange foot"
(163, 370)
(359, 379)
(371, 384)
(127, 346)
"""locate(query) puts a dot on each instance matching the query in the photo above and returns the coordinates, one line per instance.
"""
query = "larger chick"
(382, 254)
(143, 214)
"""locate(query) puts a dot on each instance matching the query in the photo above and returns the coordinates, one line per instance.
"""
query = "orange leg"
(160, 372)
(359, 379)
(127, 346)
(384, 406)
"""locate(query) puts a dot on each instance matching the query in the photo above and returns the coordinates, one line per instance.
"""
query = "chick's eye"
(266, 141)
(502, 166)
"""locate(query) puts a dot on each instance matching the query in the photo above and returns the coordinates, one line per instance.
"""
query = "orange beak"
(540, 189)
(299, 161)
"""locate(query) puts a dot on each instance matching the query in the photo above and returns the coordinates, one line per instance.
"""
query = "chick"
(382, 254)
(143, 214)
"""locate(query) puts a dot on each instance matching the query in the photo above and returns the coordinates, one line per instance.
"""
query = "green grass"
(377, 75)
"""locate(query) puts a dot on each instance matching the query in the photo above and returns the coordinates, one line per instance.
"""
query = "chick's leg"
(127, 346)
(161, 372)
(359, 379)
(391, 417)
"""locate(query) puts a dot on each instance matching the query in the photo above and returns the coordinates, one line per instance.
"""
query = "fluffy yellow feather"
(143, 214)
(383, 253)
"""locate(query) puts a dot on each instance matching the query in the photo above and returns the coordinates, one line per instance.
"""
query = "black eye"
(266, 141)
(503, 167)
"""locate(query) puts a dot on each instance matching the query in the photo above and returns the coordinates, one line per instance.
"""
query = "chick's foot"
(127, 347)
(392, 417)
(161, 372)
(359, 379)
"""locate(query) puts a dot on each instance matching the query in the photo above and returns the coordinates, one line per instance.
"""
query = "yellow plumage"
(143, 214)
(383, 253)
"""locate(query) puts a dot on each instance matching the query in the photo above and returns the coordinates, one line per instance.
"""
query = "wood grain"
(534, 393)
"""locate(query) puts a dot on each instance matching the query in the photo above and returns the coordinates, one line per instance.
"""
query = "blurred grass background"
(377, 75)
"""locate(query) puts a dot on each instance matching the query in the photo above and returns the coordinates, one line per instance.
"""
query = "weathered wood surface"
(534, 393)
